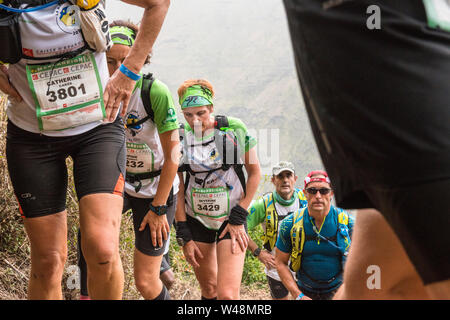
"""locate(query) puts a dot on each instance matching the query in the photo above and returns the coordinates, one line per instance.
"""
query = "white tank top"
(46, 35)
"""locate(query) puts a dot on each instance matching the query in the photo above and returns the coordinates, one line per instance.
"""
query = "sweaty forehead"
(318, 184)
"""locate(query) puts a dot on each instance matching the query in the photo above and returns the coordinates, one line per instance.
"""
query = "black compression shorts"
(200, 233)
(277, 288)
(38, 171)
(140, 208)
(379, 107)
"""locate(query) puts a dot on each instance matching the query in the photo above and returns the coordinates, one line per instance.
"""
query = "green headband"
(122, 35)
(196, 96)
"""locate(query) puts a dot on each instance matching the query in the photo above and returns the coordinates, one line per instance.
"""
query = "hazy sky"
(205, 29)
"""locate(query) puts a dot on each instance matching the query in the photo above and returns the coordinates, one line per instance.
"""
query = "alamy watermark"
(374, 280)
(73, 281)
(374, 20)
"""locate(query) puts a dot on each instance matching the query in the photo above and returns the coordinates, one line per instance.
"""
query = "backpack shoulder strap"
(221, 121)
(34, 3)
(147, 81)
(300, 194)
(343, 218)
(266, 199)
(271, 220)
(297, 239)
(343, 230)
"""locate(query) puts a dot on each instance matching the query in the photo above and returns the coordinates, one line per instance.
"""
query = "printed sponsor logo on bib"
(67, 94)
(211, 205)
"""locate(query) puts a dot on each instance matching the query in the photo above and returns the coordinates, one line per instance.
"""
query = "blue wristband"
(300, 296)
(130, 74)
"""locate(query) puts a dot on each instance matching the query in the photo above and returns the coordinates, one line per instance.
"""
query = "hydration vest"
(271, 219)
(147, 81)
(298, 237)
(227, 145)
(93, 25)
(11, 49)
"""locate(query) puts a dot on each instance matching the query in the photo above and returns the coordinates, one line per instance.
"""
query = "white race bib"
(67, 94)
(211, 205)
(140, 158)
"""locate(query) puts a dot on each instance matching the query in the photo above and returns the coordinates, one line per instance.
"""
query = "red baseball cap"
(308, 178)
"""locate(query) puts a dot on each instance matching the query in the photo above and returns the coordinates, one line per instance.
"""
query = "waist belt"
(132, 178)
(138, 177)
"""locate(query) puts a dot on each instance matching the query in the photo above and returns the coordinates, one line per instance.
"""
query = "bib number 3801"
(68, 93)
(64, 93)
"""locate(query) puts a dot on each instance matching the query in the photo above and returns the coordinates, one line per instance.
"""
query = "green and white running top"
(144, 150)
(61, 82)
(210, 196)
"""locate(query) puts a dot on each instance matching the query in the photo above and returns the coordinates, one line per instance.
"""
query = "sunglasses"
(322, 191)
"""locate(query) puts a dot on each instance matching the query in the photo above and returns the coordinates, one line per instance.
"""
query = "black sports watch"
(159, 210)
(181, 242)
(256, 252)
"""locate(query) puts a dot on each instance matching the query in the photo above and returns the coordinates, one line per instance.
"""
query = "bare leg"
(48, 238)
(100, 216)
(207, 272)
(375, 244)
(146, 274)
(230, 270)
(168, 278)
(439, 290)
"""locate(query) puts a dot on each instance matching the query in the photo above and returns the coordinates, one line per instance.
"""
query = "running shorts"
(277, 288)
(140, 208)
(165, 264)
(200, 233)
(377, 98)
(38, 171)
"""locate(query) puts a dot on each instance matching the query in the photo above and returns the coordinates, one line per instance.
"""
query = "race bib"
(211, 205)
(438, 13)
(140, 158)
(67, 94)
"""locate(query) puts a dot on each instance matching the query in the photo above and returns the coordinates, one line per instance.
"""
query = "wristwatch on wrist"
(181, 242)
(256, 252)
(159, 210)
